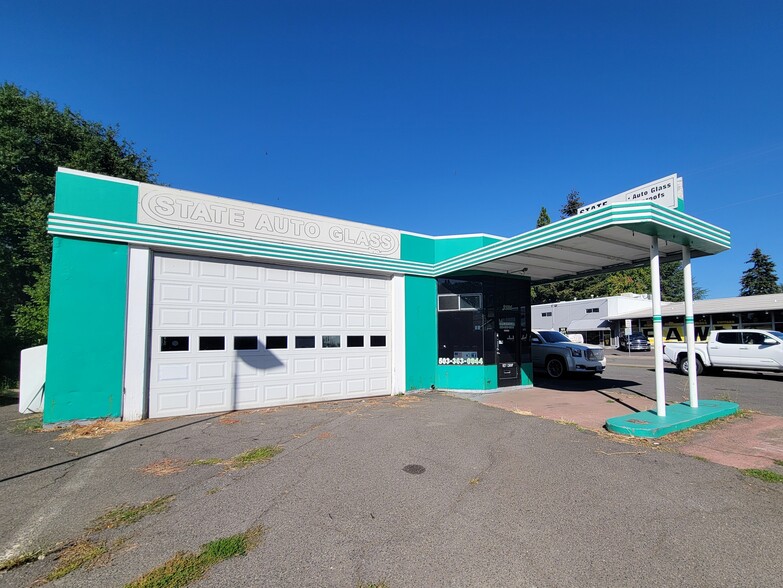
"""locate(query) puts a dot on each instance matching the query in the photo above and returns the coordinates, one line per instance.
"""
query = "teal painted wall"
(446, 248)
(415, 248)
(87, 306)
(421, 332)
(430, 250)
(526, 373)
(94, 197)
(466, 377)
(86, 330)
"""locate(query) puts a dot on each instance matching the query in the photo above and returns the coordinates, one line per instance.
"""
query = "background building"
(602, 320)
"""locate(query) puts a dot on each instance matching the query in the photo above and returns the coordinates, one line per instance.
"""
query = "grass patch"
(566, 422)
(778, 462)
(22, 559)
(766, 475)
(374, 585)
(254, 456)
(29, 424)
(74, 557)
(184, 568)
(97, 430)
(127, 515)
(164, 467)
(208, 461)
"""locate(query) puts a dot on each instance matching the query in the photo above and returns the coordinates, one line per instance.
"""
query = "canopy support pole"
(655, 271)
(690, 335)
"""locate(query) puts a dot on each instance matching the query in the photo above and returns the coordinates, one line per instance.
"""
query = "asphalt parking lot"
(759, 391)
(497, 499)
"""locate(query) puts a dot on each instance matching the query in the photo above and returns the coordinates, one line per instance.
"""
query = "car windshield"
(554, 337)
(777, 334)
(638, 336)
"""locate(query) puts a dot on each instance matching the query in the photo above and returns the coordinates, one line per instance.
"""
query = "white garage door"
(233, 335)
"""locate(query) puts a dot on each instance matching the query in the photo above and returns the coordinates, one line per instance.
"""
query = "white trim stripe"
(642, 217)
(117, 231)
(634, 213)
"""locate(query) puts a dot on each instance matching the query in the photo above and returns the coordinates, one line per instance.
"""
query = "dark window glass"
(377, 340)
(470, 302)
(306, 342)
(242, 343)
(756, 318)
(448, 302)
(211, 343)
(330, 341)
(725, 318)
(729, 337)
(355, 341)
(174, 343)
(277, 342)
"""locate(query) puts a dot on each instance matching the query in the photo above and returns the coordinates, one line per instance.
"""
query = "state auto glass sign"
(665, 192)
(188, 210)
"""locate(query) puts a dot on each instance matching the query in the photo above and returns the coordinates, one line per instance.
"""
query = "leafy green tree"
(572, 205)
(36, 137)
(673, 283)
(543, 218)
(761, 277)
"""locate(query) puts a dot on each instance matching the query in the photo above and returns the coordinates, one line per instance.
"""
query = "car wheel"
(555, 367)
(682, 365)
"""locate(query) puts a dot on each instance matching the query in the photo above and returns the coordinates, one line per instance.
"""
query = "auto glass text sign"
(663, 192)
(189, 210)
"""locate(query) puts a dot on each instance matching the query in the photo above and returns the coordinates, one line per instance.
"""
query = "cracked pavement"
(504, 499)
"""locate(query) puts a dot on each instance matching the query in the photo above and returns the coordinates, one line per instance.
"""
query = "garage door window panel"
(211, 343)
(304, 342)
(174, 343)
(277, 342)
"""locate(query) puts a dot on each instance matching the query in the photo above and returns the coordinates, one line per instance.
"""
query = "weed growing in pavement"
(22, 559)
(28, 424)
(184, 568)
(75, 556)
(766, 475)
(778, 462)
(374, 585)
(253, 456)
(127, 515)
(164, 467)
(208, 461)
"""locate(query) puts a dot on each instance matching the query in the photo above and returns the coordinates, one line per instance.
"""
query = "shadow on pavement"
(112, 447)
(582, 383)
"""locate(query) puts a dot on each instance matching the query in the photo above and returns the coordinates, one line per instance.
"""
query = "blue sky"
(433, 117)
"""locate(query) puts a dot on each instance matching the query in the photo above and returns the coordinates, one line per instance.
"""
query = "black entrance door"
(507, 331)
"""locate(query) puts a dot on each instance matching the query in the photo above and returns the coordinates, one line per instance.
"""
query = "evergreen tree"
(760, 278)
(572, 205)
(35, 138)
(543, 218)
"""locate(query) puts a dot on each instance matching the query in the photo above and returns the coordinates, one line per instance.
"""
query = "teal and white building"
(166, 302)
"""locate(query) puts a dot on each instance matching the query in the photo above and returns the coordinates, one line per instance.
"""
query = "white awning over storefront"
(589, 325)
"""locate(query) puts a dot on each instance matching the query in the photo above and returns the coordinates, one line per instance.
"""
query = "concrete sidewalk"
(751, 440)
